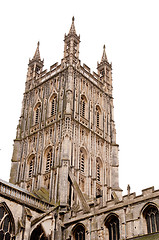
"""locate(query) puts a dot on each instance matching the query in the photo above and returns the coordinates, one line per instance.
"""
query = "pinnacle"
(37, 52)
(104, 56)
(72, 29)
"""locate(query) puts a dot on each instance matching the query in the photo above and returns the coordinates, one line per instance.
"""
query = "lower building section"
(24, 216)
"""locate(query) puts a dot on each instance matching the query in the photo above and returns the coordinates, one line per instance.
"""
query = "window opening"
(113, 228)
(31, 167)
(83, 107)
(152, 220)
(67, 123)
(79, 233)
(81, 162)
(38, 233)
(98, 171)
(37, 114)
(6, 225)
(50, 132)
(49, 161)
(97, 116)
(53, 106)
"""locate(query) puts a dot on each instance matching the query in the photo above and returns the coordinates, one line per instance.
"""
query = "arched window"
(112, 225)
(38, 234)
(98, 170)
(54, 106)
(152, 219)
(31, 167)
(83, 107)
(49, 160)
(98, 111)
(79, 232)
(82, 161)
(6, 224)
(37, 113)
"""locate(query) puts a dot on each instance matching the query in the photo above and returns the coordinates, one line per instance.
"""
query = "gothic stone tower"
(66, 137)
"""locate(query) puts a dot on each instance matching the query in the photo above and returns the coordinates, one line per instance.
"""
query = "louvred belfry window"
(54, 106)
(37, 116)
(98, 116)
(152, 219)
(83, 107)
(98, 171)
(31, 167)
(49, 161)
(6, 225)
(37, 113)
(82, 161)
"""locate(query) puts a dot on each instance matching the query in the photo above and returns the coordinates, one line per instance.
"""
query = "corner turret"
(71, 47)
(105, 72)
(35, 65)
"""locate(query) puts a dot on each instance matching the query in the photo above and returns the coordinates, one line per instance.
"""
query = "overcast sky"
(130, 31)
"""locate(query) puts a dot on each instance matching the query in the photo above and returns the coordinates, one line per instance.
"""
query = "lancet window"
(83, 107)
(152, 219)
(98, 171)
(82, 161)
(31, 167)
(102, 73)
(49, 161)
(79, 233)
(112, 225)
(37, 113)
(54, 106)
(98, 112)
(6, 224)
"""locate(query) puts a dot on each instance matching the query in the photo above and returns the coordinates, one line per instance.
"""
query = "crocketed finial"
(104, 56)
(72, 29)
(37, 52)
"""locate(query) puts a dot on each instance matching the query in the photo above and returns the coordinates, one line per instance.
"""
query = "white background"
(130, 31)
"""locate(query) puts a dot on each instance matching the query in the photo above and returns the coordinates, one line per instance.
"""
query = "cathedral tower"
(66, 139)
(64, 176)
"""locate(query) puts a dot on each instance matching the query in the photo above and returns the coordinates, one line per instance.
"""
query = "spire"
(35, 65)
(71, 45)
(36, 58)
(72, 29)
(104, 56)
(37, 52)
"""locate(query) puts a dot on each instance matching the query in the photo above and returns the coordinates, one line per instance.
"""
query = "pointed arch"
(47, 165)
(151, 215)
(99, 177)
(31, 163)
(48, 159)
(37, 111)
(38, 234)
(112, 225)
(82, 168)
(82, 160)
(79, 232)
(83, 106)
(7, 225)
(98, 169)
(98, 116)
(53, 105)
